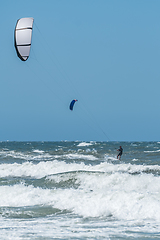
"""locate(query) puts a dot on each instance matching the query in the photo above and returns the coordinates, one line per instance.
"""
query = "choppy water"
(79, 190)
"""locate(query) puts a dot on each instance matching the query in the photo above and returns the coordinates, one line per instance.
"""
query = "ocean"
(79, 190)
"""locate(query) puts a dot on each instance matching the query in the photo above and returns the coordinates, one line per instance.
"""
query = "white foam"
(84, 144)
(121, 198)
(21, 195)
(152, 151)
(112, 158)
(121, 195)
(45, 168)
(38, 151)
(80, 156)
(124, 196)
(26, 156)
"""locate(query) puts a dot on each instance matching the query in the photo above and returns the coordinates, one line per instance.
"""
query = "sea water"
(79, 190)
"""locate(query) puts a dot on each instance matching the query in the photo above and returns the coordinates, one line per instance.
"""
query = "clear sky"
(104, 53)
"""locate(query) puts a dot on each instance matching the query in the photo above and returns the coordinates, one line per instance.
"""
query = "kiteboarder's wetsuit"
(120, 152)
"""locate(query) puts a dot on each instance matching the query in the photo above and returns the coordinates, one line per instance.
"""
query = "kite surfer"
(120, 152)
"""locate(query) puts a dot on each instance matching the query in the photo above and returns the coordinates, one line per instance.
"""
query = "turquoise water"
(79, 190)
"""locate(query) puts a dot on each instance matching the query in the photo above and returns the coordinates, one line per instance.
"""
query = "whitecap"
(80, 156)
(152, 151)
(84, 144)
(38, 151)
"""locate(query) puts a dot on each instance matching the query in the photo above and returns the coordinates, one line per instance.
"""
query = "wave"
(45, 168)
(152, 151)
(79, 189)
(37, 211)
(84, 144)
(38, 151)
(40, 155)
(80, 156)
(28, 156)
(98, 194)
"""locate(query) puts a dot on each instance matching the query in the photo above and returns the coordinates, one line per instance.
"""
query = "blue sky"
(104, 53)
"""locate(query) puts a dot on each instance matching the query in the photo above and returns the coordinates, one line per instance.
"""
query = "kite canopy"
(72, 104)
(22, 37)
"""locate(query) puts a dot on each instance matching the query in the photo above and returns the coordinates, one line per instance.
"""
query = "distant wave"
(84, 144)
(80, 156)
(152, 151)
